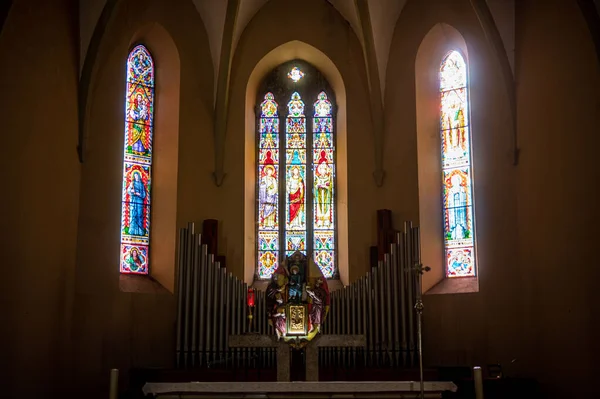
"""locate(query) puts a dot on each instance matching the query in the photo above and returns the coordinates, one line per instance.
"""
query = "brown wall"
(112, 328)
(535, 222)
(39, 201)
(461, 329)
(559, 109)
(318, 24)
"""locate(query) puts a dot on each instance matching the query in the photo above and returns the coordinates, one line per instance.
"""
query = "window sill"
(140, 284)
(457, 285)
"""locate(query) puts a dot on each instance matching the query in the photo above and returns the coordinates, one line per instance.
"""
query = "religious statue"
(318, 297)
(297, 299)
(279, 317)
(276, 287)
(296, 284)
(323, 197)
(137, 194)
(295, 189)
(267, 197)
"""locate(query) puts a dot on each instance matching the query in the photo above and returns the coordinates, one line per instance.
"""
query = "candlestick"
(114, 384)
(477, 377)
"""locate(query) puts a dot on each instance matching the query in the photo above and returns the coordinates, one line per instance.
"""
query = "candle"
(478, 382)
(114, 384)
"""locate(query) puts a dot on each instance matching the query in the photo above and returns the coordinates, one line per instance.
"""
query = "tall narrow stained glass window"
(456, 168)
(137, 162)
(296, 172)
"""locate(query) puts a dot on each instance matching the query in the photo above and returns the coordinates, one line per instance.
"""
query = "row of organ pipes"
(212, 305)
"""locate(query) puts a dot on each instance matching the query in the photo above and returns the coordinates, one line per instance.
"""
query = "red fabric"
(296, 203)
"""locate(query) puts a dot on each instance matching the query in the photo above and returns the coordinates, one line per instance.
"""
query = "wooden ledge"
(138, 284)
(456, 285)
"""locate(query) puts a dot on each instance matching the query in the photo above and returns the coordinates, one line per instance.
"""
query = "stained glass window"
(456, 168)
(302, 218)
(137, 162)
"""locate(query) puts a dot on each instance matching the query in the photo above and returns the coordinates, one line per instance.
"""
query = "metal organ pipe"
(211, 305)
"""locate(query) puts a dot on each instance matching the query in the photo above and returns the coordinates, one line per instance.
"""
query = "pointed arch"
(296, 208)
(459, 226)
(295, 50)
(446, 206)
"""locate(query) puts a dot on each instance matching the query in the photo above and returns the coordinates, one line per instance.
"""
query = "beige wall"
(40, 188)
(536, 242)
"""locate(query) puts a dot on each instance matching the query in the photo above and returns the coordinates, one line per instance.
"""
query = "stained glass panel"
(268, 188)
(137, 155)
(300, 167)
(456, 166)
(323, 186)
(460, 262)
(295, 74)
(295, 180)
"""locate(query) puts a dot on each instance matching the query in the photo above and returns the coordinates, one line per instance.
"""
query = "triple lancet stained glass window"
(456, 168)
(137, 162)
(296, 202)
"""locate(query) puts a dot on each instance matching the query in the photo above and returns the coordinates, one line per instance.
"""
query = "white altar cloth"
(345, 389)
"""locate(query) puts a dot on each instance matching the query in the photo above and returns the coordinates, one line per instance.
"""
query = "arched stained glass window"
(459, 226)
(296, 173)
(137, 162)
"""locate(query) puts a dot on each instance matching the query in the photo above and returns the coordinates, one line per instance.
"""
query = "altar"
(370, 326)
(329, 389)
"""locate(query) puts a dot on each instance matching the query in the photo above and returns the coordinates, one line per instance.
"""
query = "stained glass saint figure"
(457, 198)
(323, 185)
(267, 196)
(295, 189)
(137, 193)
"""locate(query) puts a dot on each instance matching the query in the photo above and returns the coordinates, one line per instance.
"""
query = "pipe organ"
(212, 304)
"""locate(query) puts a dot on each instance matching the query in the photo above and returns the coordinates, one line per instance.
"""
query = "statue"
(279, 317)
(297, 300)
(318, 297)
(296, 283)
